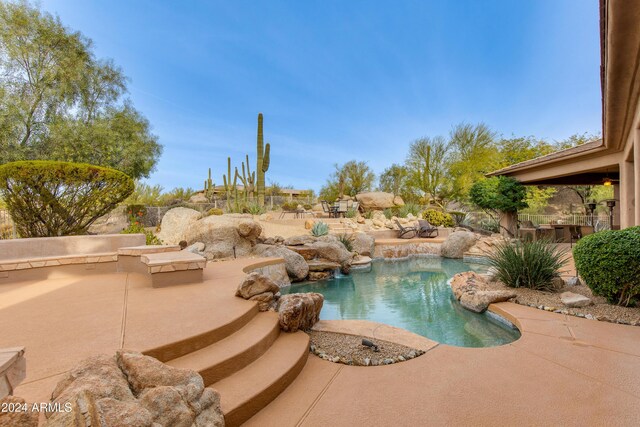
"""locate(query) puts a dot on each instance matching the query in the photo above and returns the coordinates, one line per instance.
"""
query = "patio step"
(252, 388)
(229, 355)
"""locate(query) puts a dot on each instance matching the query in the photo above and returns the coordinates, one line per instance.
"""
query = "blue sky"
(342, 80)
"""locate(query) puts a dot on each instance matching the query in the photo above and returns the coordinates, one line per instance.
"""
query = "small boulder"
(299, 240)
(363, 244)
(457, 244)
(308, 224)
(334, 251)
(574, 300)
(196, 248)
(573, 281)
(472, 291)
(296, 266)
(265, 300)
(299, 311)
(255, 284)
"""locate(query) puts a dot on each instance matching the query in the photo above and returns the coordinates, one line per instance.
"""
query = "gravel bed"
(348, 349)
(599, 310)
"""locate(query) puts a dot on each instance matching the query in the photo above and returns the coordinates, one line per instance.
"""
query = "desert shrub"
(458, 217)
(351, 213)
(489, 224)
(320, 229)
(289, 206)
(609, 263)
(389, 212)
(438, 218)
(408, 208)
(50, 198)
(346, 240)
(531, 265)
(307, 207)
(137, 228)
(254, 209)
(368, 214)
(215, 211)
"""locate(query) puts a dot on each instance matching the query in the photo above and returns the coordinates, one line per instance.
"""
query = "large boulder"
(472, 291)
(224, 236)
(376, 200)
(198, 198)
(333, 251)
(486, 245)
(363, 244)
(296, 266)
(175, 224)
(133, 389)
(112, 223)
(457, 244)
(299, 311)
(254, 284)
(16, 418)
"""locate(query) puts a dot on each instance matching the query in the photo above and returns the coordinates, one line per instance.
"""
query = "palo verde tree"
(498, 196)
(427, 166)
(349, 179)
(60, 102)
(49, 198)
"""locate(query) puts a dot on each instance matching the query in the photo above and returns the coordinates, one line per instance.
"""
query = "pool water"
(412, 294)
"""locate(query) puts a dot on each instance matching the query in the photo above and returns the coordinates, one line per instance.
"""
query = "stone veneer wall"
(405, 249)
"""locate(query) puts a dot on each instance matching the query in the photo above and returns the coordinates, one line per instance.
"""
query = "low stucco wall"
(46, 247)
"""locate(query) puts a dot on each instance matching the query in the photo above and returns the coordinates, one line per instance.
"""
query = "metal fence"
(573, 219)
(7, 227)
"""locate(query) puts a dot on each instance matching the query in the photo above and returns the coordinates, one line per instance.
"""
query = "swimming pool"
(412, 294)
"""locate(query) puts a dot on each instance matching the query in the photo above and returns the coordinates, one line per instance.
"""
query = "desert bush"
(346, 240)
(458, 217)
(438, 218)
(531, 265)
(254, 209)
(50, 198)
(137, 228)
(489, 224)
(368, 214)
(307, 207)
(609, 263)
(289, 206)
(320, 229)
(215, 211)
(408, 208)
(351, 213)
(389, 212)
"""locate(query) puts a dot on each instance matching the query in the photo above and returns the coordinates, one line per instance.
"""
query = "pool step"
(227, 356)
(252, 388)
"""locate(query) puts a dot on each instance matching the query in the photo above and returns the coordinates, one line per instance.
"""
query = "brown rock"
(255, 284)
(319, 275)
(26, 418)
(308, 224)
(322, 265)
(307, 252)
(299, 240)
(299, 311)
(375, 200)
(118, 413)
(472, 291)
(167, 406)
(457, 244)
(264, 300)
(295, 264)
(334, 251)
(571, 299)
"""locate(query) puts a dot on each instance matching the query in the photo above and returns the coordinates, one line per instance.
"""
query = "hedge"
(609, 263)
(51, 198)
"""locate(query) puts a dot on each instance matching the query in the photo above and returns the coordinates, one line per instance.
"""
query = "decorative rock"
(308, 224)
(485, 245)
(319, 275)
(471, 290)
(306, 251)
(457, 244)
(265, 300)
(397, 201)
(275, 272)
(299, 240)
(295, 264)
(254, 284)
(322, 265)
(299, 311)
(376, 200)
(198, 198)
(363, 244)
(196, 248)
(175, 224)
(133, 389)
(571, 299)
(334, 251)
(17, 418)
(573, 281)
(557, 283)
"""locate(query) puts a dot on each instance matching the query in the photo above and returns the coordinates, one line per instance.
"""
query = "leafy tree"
(47, 198)
(393, 179)
(349, 179)
(61, 103)
(427, 166)
(473, 154)
(499, 195)
(519, 149)
(575, 140)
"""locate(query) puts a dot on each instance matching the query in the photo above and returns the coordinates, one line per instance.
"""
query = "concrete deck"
(562, 371)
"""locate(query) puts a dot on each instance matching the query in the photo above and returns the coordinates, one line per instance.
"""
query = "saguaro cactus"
(248, 180)
(262, 161)
(228, 185)
(209, 187)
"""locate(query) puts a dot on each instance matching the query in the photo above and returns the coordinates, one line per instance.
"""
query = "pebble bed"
(348, 350)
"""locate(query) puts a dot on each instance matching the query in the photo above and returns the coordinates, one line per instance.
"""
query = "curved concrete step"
(194, 343)
(249, 390)
(229, 355)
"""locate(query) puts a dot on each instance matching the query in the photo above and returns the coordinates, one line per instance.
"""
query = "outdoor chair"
(404, 231)
(328, 209)
(425, 229)
(343, 207)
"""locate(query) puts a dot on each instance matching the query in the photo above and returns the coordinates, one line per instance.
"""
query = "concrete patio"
(563, 370)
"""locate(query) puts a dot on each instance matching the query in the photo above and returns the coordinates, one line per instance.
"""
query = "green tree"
(61, 103)
(428, 169)
(575, 140)
(349, 179)
(519, 149)
(393, 179)
(498, 196)
(473, 154)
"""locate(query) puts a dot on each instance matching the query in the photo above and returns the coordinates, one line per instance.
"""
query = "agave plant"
(320, 229)
(528, 264)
